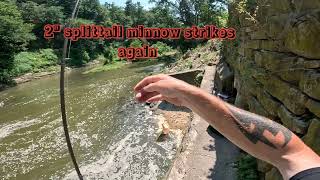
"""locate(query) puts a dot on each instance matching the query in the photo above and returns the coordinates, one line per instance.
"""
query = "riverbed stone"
(312, 138)
(294, 123)
(310, 84)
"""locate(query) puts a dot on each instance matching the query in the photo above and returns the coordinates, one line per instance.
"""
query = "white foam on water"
(119, 162)
(6, 130)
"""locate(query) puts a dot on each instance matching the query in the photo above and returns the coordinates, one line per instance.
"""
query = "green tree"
(89, 9)
(14, 36)
(84, 50)
(40, 15)
(116, 14)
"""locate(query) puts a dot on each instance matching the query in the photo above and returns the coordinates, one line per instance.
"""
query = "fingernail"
(138, 95)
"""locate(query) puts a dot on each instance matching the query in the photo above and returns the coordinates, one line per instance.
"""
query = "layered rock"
(276, 64)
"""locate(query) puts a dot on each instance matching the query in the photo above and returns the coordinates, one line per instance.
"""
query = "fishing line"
(62, 94)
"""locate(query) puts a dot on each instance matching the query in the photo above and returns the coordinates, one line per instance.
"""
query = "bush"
(79, 57)
(14, 37)
(111, 54)
(136, 43)
(25, 62)
(5, 77)
(247, 168)
(162, 47)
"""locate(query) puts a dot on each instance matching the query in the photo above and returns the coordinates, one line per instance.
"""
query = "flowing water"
(113, 136)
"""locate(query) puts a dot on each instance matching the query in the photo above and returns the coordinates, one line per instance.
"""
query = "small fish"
(164, 132)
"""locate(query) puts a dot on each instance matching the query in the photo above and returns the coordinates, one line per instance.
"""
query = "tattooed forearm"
(253, 127)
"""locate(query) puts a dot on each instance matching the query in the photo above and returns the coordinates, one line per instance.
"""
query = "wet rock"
(268, 102)
(314, 107)
(312, 138)
(303, 37)
(256, 35)
(285, 92)
(275, 61)
(293, 77)
(253, 44)
(241, 101)
(271, 45)
(255, 107)
(289, 68)
(294, 123)
(276, 25)
(310, 84)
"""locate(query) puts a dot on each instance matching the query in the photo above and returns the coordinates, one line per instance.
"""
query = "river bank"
(91, 67)
(54, 70)
(51, 71)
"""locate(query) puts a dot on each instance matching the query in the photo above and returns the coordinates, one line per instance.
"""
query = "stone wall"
(276, 64)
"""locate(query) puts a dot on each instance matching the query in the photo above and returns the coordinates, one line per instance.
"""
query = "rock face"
(275, 62)
(312, 138)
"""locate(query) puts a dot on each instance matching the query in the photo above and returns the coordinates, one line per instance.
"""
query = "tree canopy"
(22, 23)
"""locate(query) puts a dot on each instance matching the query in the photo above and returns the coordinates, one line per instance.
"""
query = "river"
(113, 136)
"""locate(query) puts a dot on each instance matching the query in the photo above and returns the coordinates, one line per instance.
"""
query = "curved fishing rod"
(62, 96)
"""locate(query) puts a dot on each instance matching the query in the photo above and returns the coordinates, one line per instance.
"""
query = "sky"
(144, 3)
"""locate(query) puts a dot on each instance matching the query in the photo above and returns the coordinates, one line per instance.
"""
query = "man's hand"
(161, 87)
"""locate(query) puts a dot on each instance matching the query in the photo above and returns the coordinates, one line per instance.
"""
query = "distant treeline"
(23, 48)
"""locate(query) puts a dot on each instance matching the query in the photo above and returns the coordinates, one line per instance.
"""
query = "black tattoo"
(253, 127)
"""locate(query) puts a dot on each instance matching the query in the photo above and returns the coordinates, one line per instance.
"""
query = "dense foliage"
(247, 168)
(23, 48)
(14, 36)
(33, 61)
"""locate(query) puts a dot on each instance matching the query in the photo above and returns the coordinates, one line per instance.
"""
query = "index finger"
(148, 80)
